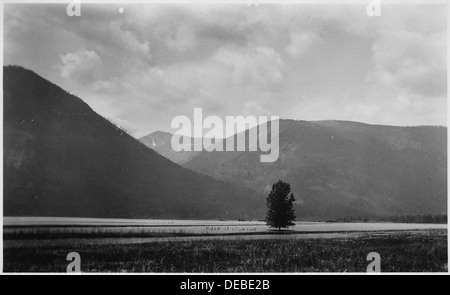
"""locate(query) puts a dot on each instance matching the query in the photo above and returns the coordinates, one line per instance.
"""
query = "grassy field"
(400, 252)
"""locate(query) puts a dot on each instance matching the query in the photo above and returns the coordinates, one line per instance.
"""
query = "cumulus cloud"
(252, 67)
(411, 61)
(300, 43)
(182, 39)
(152, 62)
(83, 64)
(128, 39)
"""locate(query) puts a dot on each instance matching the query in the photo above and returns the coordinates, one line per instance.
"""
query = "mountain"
(161, 142)
(63, 159)
(339, 168)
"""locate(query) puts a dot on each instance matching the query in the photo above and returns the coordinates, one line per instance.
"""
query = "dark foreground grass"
(399, 253)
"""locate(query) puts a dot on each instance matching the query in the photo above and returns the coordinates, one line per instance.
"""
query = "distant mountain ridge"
(161, 142)
(63, 159)
(343, 168)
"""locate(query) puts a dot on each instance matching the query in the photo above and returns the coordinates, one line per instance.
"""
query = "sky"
(140, 65)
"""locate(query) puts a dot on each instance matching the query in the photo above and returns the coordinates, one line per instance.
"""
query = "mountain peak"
(63, 159)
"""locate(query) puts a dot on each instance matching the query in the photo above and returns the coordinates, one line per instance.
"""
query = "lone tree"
(280, 212)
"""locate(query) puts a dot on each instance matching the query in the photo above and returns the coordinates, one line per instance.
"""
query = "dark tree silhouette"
(280, 211)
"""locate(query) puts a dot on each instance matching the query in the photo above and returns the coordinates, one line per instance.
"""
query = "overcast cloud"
(146, 65)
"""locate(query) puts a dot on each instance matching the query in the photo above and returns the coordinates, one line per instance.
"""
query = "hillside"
(161, 143)
(339, 168)
(63, 159)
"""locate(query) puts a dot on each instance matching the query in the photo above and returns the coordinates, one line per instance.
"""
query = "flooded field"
(33, 244)
(55, 225)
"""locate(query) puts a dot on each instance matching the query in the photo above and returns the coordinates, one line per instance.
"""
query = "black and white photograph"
(224, 138)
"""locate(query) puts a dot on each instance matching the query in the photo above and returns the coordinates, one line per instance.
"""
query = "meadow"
(42, 245)
(400, 252)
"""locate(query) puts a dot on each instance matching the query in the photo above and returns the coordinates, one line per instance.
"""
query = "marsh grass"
(399, 253)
